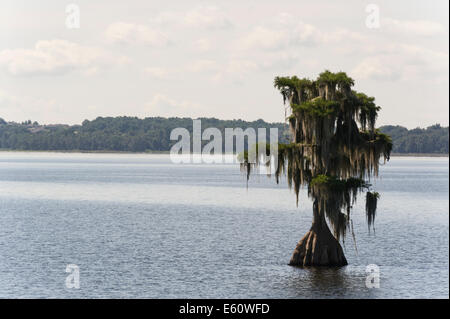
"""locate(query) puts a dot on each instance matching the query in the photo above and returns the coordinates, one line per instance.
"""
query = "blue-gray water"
(140, 227)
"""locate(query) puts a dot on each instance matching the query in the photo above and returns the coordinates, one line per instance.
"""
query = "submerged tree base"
(331, 155)
(318, 248)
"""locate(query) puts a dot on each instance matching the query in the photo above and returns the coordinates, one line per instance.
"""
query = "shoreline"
(168, 152)
(418, 155)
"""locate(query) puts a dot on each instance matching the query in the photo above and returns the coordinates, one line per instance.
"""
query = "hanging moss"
(371, 207)
(335, 147)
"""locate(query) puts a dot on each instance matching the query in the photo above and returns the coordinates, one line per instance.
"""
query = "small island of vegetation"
(334, 151)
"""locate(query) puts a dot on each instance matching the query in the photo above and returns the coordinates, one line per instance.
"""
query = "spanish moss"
(334, 152)
(371, 208)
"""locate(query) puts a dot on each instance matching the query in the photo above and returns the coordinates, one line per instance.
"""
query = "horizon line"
(193, 118)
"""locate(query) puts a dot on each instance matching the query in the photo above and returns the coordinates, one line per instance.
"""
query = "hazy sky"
(217, 58)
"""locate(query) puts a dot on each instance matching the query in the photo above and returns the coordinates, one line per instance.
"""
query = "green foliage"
(119, 134)
(130, 134)
(433, 139)
(368, 111)
(317, 107)
(329, 153)
(340, 79)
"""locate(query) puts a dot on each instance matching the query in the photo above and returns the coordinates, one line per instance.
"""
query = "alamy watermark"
(73, 279)
(73, 16)
(373, 17)
(373, 276)
(230, 148)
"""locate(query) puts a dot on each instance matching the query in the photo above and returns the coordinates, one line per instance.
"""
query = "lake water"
(138, 226)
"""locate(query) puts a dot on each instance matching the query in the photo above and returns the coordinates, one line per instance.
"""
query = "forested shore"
(152, 134)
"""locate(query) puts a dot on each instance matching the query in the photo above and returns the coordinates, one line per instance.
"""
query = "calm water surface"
(140, 227)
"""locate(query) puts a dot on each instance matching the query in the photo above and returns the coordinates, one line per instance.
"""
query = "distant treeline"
(122, 134)
(433, 139)
(131, 134)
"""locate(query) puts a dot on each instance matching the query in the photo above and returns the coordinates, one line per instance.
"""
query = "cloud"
(171, 73)
(159, 72)
(268, 38)
(129, 33)
(236, 70)
(233, 68)
(56, 57)
(202, 17)
(241, 66)
(377, 68)
(206, 17)
(405, 62)
(203, 66)
(413, 27)
(161, 105)
(286, 31)
(7, 101)
(20, 108)
(202, 45)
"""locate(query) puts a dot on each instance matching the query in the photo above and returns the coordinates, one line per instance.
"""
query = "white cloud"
(236, 69)
(265, 38)
(241, 66)
(407, 62)
(344, 41)
(20, 108)
(207, 17)
(7, 101)
(161, 105)
(203, 66)
(56, 57)
(377, 67)
(202, 17)
(197, 66)
(202, 45)
(413, 27)
(269, 38)
(159, 72)
(286, 32)
(129, 33)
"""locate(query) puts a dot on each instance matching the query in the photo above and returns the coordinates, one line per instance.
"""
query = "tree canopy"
(335, 149)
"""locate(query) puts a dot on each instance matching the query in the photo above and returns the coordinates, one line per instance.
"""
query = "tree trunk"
(318, 247)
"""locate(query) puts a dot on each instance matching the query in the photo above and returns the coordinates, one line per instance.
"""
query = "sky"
(217, 58)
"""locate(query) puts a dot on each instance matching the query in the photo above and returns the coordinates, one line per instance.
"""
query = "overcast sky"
(217, 58)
